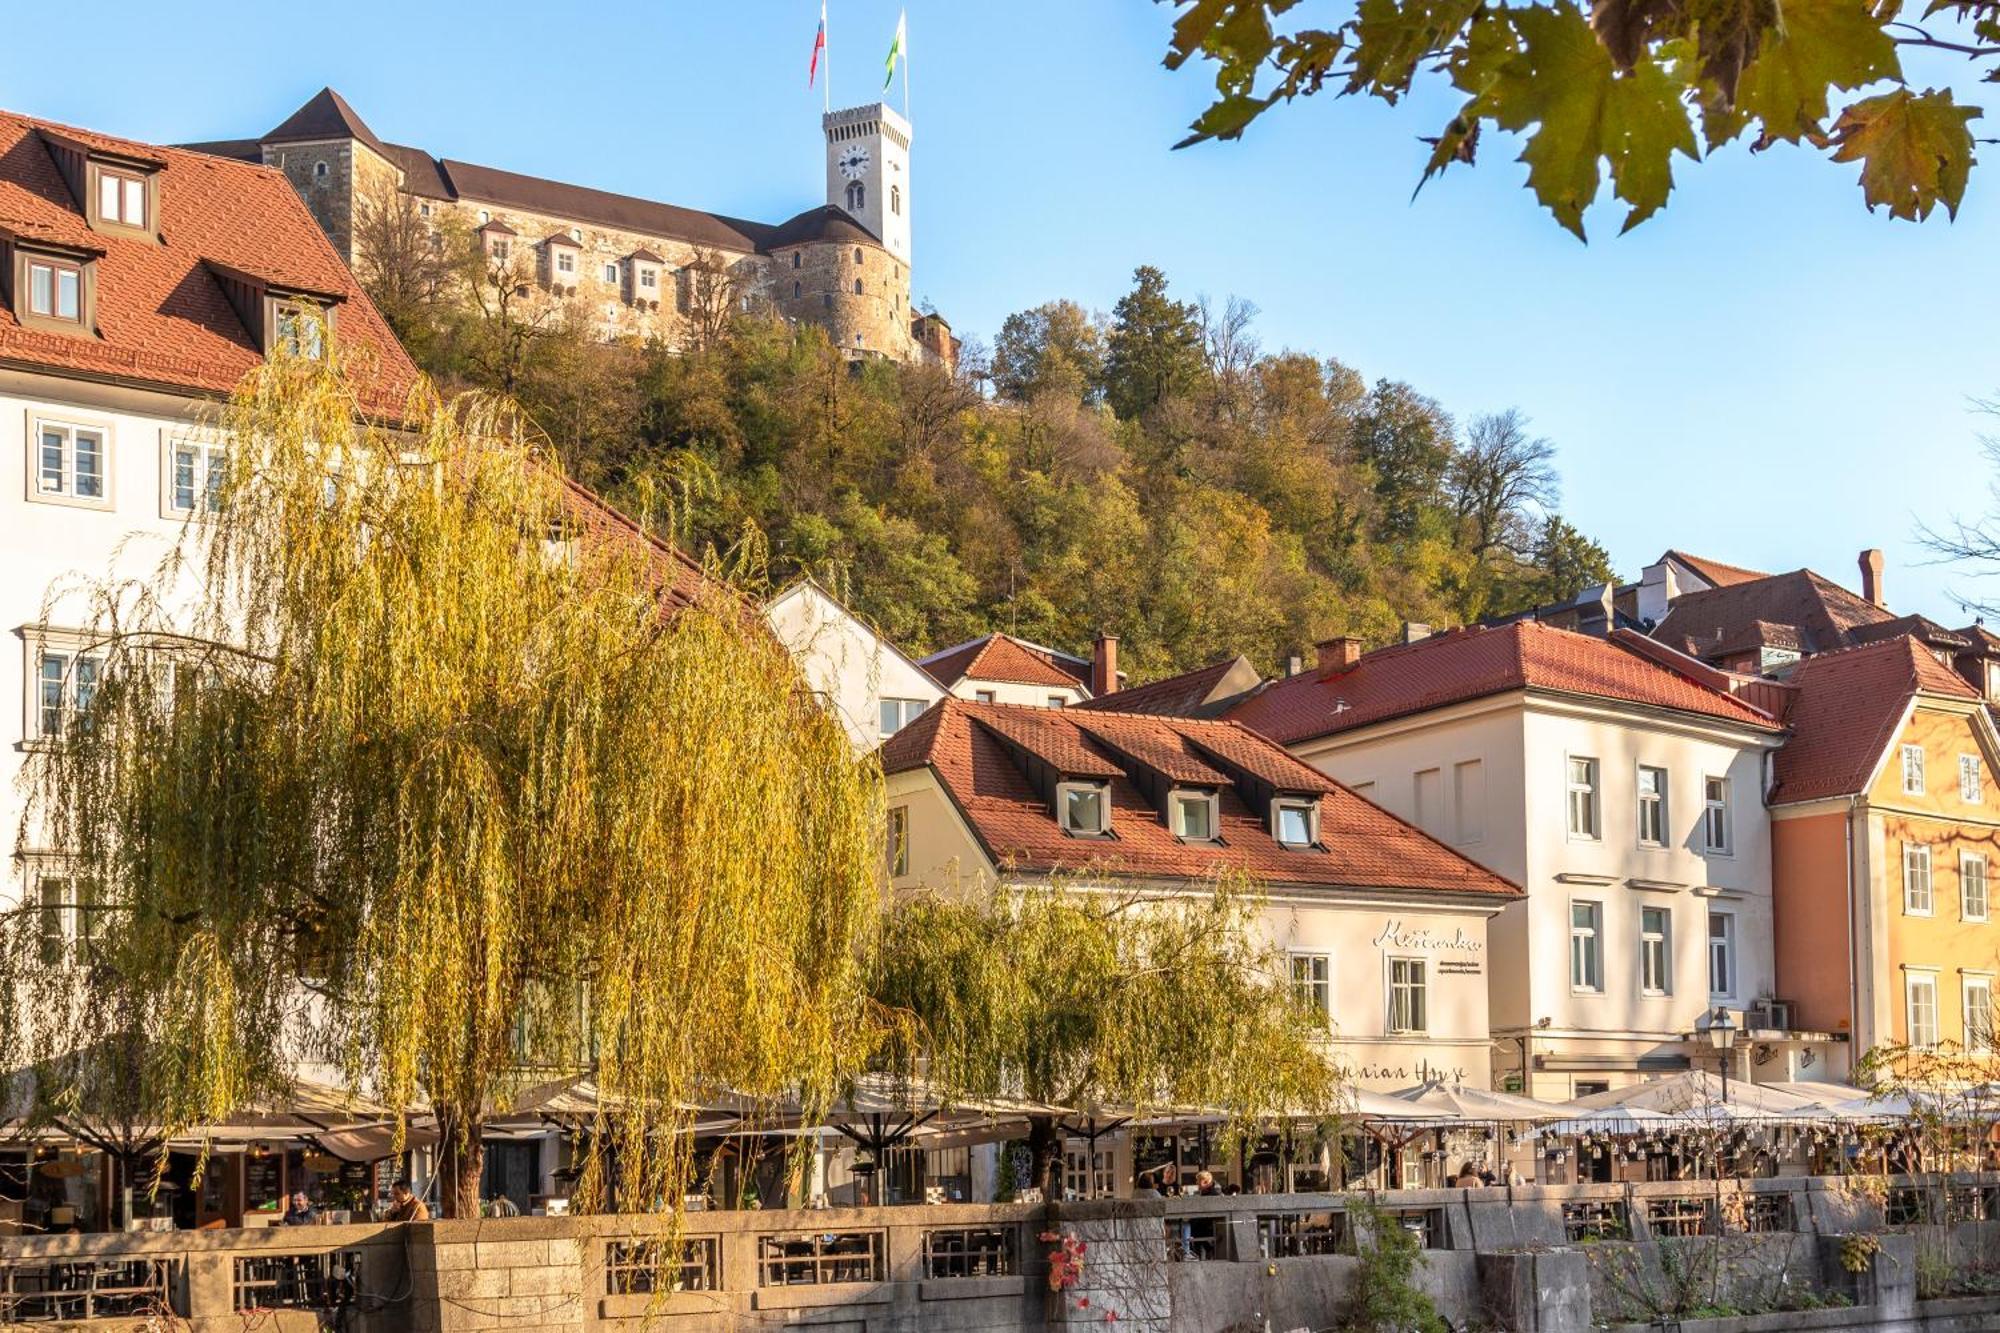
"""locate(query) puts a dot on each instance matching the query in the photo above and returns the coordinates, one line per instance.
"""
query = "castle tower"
(868, 171)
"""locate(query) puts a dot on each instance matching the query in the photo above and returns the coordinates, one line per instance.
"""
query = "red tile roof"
(1849, 711)
(1190, 694)
(1716, 573)
(162, 316)
(1465, 664)
(1819, 616)
(971, 749)
(1005, 658)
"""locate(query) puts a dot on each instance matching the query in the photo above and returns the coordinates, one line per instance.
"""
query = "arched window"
(896, 200)
(857, 196)
(857, 254)
(797, 291)
(795, 257)
(319, 170)
(857, 286)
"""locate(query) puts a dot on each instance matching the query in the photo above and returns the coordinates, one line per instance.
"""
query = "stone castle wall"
(324, 174)
(816, 284)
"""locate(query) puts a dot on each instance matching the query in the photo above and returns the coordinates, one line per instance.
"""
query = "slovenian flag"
(898, 49)
(819, 46)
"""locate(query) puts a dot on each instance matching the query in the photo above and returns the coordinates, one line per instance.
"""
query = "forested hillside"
(1154, 472)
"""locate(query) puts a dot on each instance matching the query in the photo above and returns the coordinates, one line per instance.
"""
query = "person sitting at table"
(1204, 1183)
(300, 1212)
(1468, 1178)
(404, 1205)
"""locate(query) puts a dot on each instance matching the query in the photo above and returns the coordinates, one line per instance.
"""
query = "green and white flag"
(898, 50)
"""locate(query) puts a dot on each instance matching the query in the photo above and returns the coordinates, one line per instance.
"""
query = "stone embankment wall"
(1740, 1257)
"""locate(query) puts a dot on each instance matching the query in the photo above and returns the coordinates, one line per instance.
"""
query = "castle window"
(484, 217)
(795, 258)
(500, 250)
(857, 197)
(423, 210)
(319, 171)
(896, 200)
(857, 286)
(565, 262)
(827, 300)
(857, 254)
(797, 290)
(649, 278)
(576, 233)
(611, 273)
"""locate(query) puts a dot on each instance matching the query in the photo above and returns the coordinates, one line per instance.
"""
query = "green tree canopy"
(1623, 87)
(1154, 348)
(408, 760)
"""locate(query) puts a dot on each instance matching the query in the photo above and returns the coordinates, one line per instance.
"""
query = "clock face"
(854, 162)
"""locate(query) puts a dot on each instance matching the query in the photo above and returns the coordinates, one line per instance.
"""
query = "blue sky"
(1764, 373)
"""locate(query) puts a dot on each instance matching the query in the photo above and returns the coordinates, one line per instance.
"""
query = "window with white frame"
(1970, 789)
(1656, 951)
(1972, 886)
(1058, 701)
(1586, 945)
(1408, 1008)
(649, 278)
(1652, 806)
(72, 464)
(1582, 797)
(899, 713)
(1721, 954)
(1913, 770)
(1920, 1008)
(1312, 982)
(1088, 1173)
(64, 684)
(1715, 821)
(1917, 897)
(1193, 815)
(611, 274)
(69, 918)
(565, 261)
(1295, 823)
(194, 475)
(899, 840)
(1976, 991)
(1084, 807)
(55, 289)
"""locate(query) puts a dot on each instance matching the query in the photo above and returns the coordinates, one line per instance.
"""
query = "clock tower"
(868, 171)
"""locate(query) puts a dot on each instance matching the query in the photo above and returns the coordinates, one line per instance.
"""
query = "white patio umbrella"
(1607, 1120)
(1692, 1093)
(1478, 1104)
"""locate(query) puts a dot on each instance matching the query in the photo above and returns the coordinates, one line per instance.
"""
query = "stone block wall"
(515, 1273)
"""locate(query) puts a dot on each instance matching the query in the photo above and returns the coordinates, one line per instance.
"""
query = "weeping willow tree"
(410, 760)
(1087, 999)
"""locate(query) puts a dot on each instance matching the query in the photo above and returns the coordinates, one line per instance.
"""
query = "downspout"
(1853, 969)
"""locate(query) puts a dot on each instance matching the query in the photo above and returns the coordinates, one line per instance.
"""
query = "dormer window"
(1193, 815)
(121, 198)
(1084, 808)
(1295, 823)
(300, 330)
(55, 290)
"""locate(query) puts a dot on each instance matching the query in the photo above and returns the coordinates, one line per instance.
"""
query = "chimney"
(1294, 665)
(1415, 630)
(1342, 652)
(1871, 577)
(1104, 666)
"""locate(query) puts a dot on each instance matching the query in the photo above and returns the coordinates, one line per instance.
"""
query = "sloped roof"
(162, 317)
(1715, 572)
(972, 750)
(1005, 658)
(623, 212)
(1202, 692)
(825, 223)
(1849, 710)
(1465, 664)
(326, 116)
(1922, 627)
(1723, 619)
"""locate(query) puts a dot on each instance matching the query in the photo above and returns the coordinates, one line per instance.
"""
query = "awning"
(371, 1143)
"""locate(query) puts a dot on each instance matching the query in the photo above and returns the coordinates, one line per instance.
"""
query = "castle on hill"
(638, 268)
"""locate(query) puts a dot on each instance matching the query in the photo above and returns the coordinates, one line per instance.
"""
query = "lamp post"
(1721, 1031)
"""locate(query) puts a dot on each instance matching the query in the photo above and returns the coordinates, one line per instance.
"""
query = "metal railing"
(1295, 1235)
(323, 1281)
(1678, 1215)
(61, 1290)
(647, 1266)
(815, 1260)
(972, 1252)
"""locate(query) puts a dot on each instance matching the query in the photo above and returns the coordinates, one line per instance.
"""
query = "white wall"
(1013, 692)
(851, 667)
(61, 550)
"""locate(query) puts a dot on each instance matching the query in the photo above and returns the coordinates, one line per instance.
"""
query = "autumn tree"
(1095, 1000)
(1500, 482)
(714, 290)
(1057, 347)
(1623, 87)
(414, 266)
(408, 761)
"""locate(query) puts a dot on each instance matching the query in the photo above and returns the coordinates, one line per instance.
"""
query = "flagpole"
(826, 54)
(905, 25)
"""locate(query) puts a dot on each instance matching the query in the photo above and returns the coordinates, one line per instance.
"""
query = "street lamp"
(1721, 1031)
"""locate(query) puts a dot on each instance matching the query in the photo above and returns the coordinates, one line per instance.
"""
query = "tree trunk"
(461, 1162)
(1045, 1152)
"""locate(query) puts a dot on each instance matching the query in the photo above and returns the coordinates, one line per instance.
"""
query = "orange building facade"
(1885, 840)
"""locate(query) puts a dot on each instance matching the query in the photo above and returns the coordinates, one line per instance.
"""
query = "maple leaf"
(1391, 37)
(1585, 111)
(1914, 148)
(1816, 46)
